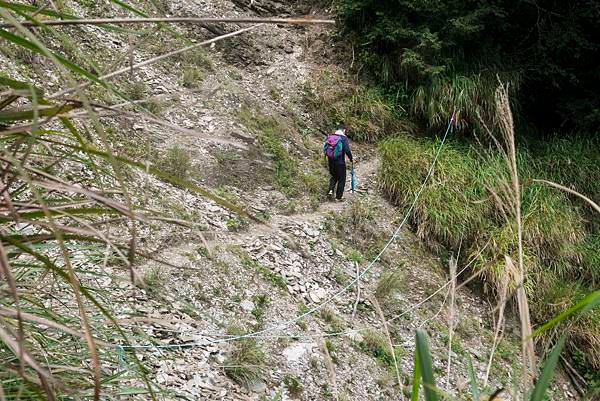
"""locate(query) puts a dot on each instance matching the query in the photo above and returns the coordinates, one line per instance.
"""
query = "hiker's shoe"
(339, 199)
(330, 195)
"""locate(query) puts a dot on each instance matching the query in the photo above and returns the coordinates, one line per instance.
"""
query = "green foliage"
(154, 280)
(293, 385)
(472, 97)
(269, 132)
(463, 203)
(197, 58)
(368, 112)
(425, 363)
(335, 322)
(136, 90)
(417, 47)
(261, 303)
(389, 284)
(541, 386)
(424, 369)
(191, 77)
(375, 344)
(176, 161)
(154, 106)
(245, 363)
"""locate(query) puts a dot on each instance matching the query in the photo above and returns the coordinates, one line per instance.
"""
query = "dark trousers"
(338, 177)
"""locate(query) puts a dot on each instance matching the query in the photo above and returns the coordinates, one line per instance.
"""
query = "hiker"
(336, 148)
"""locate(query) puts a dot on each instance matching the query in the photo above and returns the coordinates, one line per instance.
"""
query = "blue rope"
(284, 325)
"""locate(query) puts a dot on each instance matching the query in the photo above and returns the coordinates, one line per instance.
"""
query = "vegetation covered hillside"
(426, 60)
(165, 232)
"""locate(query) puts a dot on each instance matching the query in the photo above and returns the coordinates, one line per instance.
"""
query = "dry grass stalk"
(500, 324)
(331, 377)
(357, 290)
(174, 20)
(390, 343)
(453, 268)
(509, 194)
(571, 191)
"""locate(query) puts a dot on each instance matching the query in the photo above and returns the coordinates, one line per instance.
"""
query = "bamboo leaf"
(589, 302)
(28, 114)
(426, 367)
(473, 379)
(416, 377)
(539, 392)
(19, 41)
(20, 85)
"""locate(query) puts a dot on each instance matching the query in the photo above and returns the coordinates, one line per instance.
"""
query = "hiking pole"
(352, 179)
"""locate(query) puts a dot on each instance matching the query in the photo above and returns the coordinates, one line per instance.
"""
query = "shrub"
(245, 363)
(368, 113)
(136, 90)
(191, 77)
(464, 202)
(176, 162)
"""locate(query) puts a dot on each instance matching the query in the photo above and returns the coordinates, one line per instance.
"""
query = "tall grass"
(465, 202)
(371, 115)
(68, 220)
(424, 374)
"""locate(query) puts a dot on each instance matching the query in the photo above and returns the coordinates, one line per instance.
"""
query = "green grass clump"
(375, 344)
(197, 57)
(245, 364)
(368, 112)
(293, 385)
(154, 280)
(450, 207)
(465, 202)
(154, 106)
(590, 257)
(470, 96)
(389, 284)
(335, 322)
(261, 303)
(136, 90)
(191, 77)
(269, 133)
(176, 162)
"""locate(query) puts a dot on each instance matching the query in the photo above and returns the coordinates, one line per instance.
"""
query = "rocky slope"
(222, 277)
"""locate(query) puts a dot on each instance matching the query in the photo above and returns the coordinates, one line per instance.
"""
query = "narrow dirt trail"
(366, 183)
